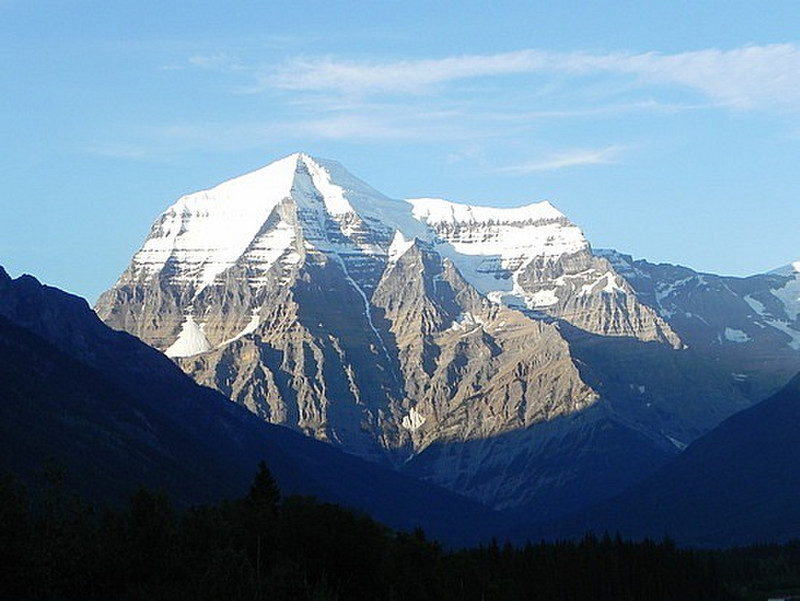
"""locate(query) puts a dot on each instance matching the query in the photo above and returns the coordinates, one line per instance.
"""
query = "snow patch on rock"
(465, 322)
(681, 446)
(191, 341)
(413, 421)
(608, 281)
(734, 335)
(251, 327)
(542, 298)
(778, 324)
(399, 246)
(789, 293)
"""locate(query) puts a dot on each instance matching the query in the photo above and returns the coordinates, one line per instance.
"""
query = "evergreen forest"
(55, 546)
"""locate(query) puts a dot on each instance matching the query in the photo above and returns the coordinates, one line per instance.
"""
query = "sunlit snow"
(400, 244)
(466, 321)
(413, 420)
(251, 327)
(608, 281)
(191, 341)
(542, 298)
(244, 223)
(491, 246)
(206, 232)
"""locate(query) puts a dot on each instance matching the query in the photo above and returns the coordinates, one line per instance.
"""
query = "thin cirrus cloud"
(562, 160)
(747, 78)
(486, 99)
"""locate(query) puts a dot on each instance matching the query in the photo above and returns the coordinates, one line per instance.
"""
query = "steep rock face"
(750, 326)
(434, 361)
(535, 259)
(474, 369)
(313, 362)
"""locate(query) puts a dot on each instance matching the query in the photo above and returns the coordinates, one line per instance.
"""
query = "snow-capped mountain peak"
(383, 325)
(261, 228)
(204, 233)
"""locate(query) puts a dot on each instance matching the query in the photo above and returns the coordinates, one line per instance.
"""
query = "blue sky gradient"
(668, 130)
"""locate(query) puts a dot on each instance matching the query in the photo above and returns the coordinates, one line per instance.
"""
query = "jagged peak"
(265, 185)
(205, 233)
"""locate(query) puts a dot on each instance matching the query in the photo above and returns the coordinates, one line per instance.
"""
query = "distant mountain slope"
(750, 326)
(120, 414)
(737, 485)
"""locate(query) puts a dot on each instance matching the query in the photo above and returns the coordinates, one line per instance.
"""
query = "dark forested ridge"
(267, 547)
(737, 485)
(264, 546)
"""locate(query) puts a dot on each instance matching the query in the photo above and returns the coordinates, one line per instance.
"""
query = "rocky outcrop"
(588, 293)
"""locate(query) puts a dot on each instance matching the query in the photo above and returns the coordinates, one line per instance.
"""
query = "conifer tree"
(264, 492)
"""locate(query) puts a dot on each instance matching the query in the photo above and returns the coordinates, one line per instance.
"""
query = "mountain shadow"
(739, 484)
(119, 414)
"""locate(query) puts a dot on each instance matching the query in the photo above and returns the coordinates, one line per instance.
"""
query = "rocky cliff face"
(532, 258)
(458, 343)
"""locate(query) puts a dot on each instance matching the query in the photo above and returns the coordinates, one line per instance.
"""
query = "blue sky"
(668, 130)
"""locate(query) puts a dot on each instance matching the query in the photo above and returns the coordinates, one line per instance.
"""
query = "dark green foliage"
(264, 494)
(762, 571)
(262, 547)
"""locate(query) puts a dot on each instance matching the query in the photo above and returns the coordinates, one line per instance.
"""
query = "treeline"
(761, 572)
(266, 547)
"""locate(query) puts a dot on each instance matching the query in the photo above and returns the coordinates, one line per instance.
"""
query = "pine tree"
(264, 492)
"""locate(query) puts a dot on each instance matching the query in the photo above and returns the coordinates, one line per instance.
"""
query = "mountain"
(486, 350)
(737, 485)
(119, 414)
(750, 325)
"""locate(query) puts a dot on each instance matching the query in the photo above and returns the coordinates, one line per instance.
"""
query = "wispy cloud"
(356, 127)
(752, 77)
(484, 101)
(216, 61)
(467, 152)
(562, 160)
